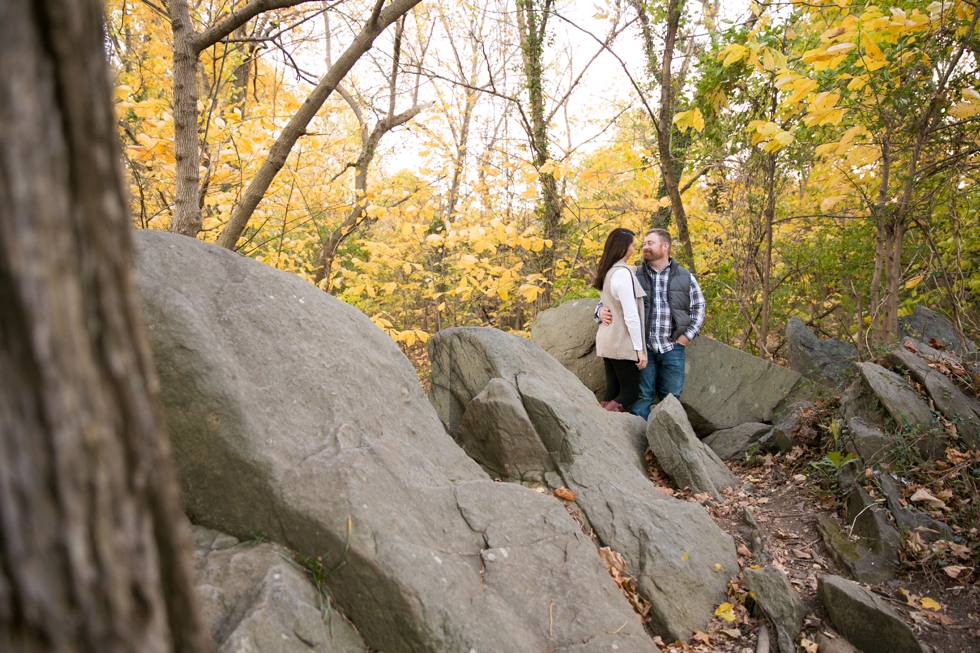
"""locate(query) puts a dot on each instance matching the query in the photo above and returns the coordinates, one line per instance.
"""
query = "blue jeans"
(663, 375)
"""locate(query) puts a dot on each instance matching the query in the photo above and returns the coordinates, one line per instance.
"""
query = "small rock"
(853, 558)
(736, 442)
(929, 529)
(863, 619)
(777, 598)
(827, 644)
(869, 521)
(871, 443)
(825, 361)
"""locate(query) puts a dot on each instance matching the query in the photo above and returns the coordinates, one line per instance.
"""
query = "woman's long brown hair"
(617, 243)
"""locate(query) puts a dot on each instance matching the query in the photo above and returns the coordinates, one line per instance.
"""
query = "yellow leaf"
(685, 556)
(768, 61)
(914, 281)
(930, 604)
(734, 52)
(725, 612)
(692, 118)
(717, 566)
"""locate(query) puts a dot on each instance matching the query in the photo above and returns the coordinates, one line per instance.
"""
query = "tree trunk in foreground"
(94, 554)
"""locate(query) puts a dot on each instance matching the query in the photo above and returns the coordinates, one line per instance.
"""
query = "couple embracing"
(646, 317)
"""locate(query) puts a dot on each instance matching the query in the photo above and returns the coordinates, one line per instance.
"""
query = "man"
(675, 308)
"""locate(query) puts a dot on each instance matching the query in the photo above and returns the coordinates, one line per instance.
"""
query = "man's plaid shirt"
(659, 312)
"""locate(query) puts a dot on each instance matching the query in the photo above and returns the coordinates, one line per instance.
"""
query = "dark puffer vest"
(678, 297)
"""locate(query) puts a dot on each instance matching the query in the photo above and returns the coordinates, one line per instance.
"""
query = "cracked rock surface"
(255, 598)
(293, 416)
(682, 560)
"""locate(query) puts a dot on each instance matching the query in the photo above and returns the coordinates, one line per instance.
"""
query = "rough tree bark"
(373, 27)
(94, 553)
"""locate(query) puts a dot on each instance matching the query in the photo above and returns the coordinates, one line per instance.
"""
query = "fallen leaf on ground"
(939, 618)
(743, 551)
(734, 633)
(799, 553)
(918, 617)
(956, 571)
(907, 596)
(725, 612)
(565, 493)
(929, 604)
(924, 495)
(960, 551)
(808, 646)
(704, 638)
(957, 457)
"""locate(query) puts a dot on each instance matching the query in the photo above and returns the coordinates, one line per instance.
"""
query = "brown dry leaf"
(704, 638)
(907, 596)
(923, 494)
(918, 617)
(935, 344)
(734, 633)
(565, 493)
(742, 551)
(939, 618)
(960, 551)
(801, 554)
(944, 495)
(911, 348)
(613, 560)
(957, 457)
(808, 646)
(956, 571)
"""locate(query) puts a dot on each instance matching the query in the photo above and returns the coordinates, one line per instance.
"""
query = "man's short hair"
(663, 234)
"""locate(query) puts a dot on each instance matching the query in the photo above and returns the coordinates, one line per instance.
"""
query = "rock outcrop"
(686, 460)
(567, 332)
(255, 598)
(671, 547)
(953, 403)
(826, 361)
(292, 415)
(725, 387)
(925, 325)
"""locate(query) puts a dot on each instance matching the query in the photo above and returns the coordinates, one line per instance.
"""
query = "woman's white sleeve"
(621, 288)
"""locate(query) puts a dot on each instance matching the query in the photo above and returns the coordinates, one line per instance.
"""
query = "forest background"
(453, 164)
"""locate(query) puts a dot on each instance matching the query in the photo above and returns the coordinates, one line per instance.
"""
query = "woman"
(620, 344)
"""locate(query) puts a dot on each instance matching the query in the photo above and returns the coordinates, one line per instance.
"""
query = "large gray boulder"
(255, 598)
(567, 332)
(864, 619)
(957, 407)
(685, 459)
(671, 547)
(924, 325)
(292, 415)
(725, 387)
(827, 361)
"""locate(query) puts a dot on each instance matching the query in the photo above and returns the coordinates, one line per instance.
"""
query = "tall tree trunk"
(664, 123)
(768, 216)
(187, 212)
(532, 23)
(94, 551)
